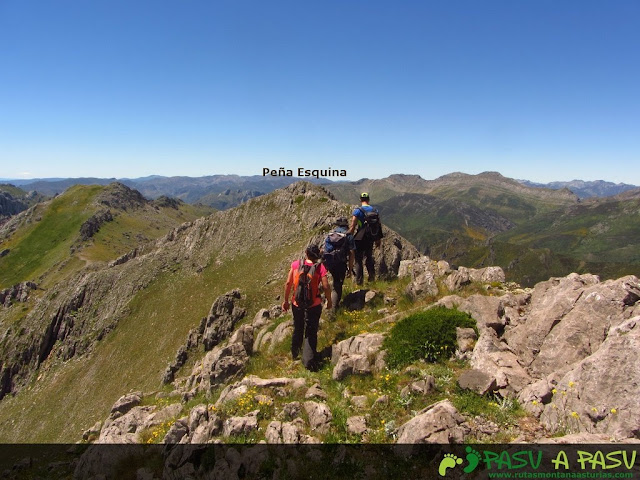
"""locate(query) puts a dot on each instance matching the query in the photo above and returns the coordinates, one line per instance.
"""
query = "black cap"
(364, 196)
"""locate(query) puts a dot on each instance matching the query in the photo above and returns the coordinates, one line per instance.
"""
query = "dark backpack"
(371, 228)
(337, 255)
(305, 286)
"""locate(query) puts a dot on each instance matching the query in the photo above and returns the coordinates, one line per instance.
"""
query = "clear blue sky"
(542, 90)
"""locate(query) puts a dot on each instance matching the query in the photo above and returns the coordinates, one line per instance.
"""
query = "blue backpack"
(336, 250)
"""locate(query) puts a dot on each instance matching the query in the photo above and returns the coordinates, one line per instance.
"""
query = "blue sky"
(539, 90)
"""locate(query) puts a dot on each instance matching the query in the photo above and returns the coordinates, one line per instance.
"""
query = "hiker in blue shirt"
(338, 255)
(368, 232)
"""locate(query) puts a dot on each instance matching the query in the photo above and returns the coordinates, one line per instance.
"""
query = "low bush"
(430, 335)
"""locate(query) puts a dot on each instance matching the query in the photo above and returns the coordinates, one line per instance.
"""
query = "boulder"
(357, 425)
(477, 381)
(357, 355)
(222, 318)
(222, 363)
(126, 403)
(367, 344)
(495, 359)
(282, 331)
(235, 426)
(439, 423)
(603, 390)
(285, 432)
(422, 285)
(316, 392)
(319, 416)
(124, 428)
(569, 319)
(354, 364)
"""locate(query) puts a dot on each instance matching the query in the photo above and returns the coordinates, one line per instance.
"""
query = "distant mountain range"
(227, 191)
(595, 188)
(532, 231)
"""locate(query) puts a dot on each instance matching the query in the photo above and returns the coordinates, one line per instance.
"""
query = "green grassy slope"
(45, 240)
(46, 246)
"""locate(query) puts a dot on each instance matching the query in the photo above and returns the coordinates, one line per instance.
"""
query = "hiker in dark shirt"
(368, 232)
(338, 256)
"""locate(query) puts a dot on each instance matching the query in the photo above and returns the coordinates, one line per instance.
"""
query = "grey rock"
(177, 432)
(199, 415)
(351, 365)
(603, 389)
(204, 432)
(123, 428)
(439, 423)
(240, 425)
(569, 319)
(18, 293)
(422, 285)
(126, 402)
(494, 358)
(466, 339)
(487, 275)
(222, 318)
(477, 381)
(357, 355)
(369, 296)
(357, 425)
(282, 331)
(316, 392)
(292, 410)
(319, 416)
(221, 364)
(263, 338)
(458, 279)
(254, 381)
(244, 337)
(262, 318)
(368, 344)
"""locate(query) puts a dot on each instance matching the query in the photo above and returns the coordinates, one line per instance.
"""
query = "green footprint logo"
(473, 457)
(449, 461)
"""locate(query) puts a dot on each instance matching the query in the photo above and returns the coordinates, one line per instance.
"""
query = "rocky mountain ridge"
(71, 320)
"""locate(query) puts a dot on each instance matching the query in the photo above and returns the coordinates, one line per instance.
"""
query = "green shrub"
(430, 335)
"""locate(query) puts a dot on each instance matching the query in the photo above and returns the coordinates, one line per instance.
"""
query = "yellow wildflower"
(554, 391)
(594, 409)
(564, 392)
(535, 402)
(571, 384)
(614, 411)
(574, 414)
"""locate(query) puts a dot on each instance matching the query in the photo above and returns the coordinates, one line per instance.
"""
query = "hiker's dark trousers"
(364, 250)
(337, 274)
(305, 334)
